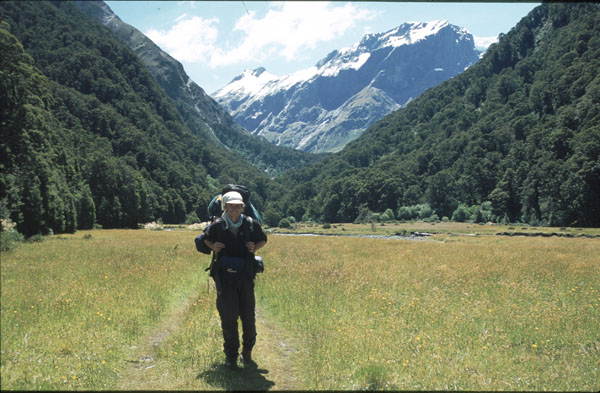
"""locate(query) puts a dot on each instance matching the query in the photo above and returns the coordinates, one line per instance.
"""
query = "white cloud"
(482, 43)
(189, 40)
(287, 30)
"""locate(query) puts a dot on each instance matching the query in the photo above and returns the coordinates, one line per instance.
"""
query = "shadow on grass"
(249, 377)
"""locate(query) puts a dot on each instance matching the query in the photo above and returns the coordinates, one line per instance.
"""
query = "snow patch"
(418, 31)
(248, 83)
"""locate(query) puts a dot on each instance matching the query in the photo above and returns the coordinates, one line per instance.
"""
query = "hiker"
(234, 238)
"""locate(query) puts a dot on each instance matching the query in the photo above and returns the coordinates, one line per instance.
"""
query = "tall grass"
(74, 305)
(467, 313)
(456, 312)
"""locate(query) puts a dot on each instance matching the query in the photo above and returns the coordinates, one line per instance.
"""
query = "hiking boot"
(231, 363)
(247, 359)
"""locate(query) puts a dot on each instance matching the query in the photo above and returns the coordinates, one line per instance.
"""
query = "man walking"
(234, 238)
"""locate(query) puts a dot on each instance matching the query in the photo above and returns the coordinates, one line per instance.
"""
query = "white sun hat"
(232, 197)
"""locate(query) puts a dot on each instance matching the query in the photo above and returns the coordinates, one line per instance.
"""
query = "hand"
(250, 246)
(218, 246)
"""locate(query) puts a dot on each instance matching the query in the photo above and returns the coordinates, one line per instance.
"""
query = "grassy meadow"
(450, 312)
(73, 306)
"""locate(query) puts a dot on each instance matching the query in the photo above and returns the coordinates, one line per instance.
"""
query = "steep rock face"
(324, 107)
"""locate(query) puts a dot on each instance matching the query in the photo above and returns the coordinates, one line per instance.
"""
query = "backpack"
(258, 264)
(215, 210)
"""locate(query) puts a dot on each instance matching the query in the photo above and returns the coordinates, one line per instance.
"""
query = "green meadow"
(126, 309)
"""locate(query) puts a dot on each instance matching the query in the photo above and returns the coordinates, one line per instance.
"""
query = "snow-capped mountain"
(325, 106)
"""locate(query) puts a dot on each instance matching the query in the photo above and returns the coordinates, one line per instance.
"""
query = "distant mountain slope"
(515, 138)
(324, 107)
(88, 137)
(200, 112)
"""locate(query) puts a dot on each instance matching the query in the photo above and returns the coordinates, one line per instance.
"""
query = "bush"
(284, 223)
(35, 239)
(271, 217)
(388, 215)
(364, 215)
(9, 239)
(306, 217)
(405, 213)
(425, 212)
(192, 218)
(461, 214)
(326, 225)
(483, 213)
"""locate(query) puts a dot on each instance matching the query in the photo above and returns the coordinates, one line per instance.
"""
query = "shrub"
(425, 212)
(271, 217)
(405, 213)
(462, 213)
(9, 239)
(192, 218)
(284, 223)
(364, 215)
(388, 215)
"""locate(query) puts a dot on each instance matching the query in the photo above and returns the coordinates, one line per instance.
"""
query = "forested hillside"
(200, 113)
(515, 138)
(88, 135)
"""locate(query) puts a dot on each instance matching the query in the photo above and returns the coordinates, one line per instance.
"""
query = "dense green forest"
(515, 138)
(200, 113)
(89, 137)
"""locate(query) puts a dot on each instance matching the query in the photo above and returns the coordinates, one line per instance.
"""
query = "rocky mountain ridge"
(325, 106)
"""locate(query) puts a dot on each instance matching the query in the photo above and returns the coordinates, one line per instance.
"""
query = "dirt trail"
(273, 353)
(138, 373)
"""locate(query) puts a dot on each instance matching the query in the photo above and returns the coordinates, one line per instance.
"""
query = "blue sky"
(216, 41)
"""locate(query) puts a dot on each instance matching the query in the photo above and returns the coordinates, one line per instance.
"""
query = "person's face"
(233, 210)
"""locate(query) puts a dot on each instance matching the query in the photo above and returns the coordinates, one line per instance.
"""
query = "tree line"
(89, 138)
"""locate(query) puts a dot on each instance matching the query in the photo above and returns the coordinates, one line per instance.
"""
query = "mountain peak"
(412, 32)
(258, 71)
(248, 82)
(324, 106)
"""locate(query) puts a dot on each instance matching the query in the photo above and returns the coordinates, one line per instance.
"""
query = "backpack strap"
(250, 222)
(220, 227)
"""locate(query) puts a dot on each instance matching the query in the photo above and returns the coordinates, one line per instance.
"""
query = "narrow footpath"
(138, 373)
(274, 355)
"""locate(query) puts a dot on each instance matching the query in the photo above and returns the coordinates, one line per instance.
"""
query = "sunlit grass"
(73, 305)
(467, 313)
(452, 312)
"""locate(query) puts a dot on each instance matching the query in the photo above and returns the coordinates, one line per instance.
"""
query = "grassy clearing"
(453, 312)
(461, 313)
(74, 305)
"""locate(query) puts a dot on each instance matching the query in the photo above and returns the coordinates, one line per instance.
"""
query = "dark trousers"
(236, 300)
